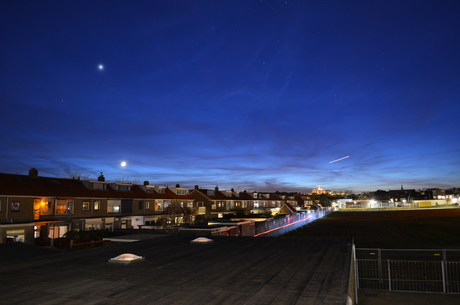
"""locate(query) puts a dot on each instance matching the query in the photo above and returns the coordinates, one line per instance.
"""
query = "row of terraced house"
(34, 207)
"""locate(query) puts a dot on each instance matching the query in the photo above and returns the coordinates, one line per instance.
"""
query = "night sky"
(251, 95)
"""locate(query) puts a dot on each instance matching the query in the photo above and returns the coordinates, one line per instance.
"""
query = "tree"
(77, 175)
(174, 216)
(381, 195)
(324, 200)
(123, 180)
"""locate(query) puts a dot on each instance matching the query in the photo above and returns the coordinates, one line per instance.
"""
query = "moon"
(123, 164)
(100, 67)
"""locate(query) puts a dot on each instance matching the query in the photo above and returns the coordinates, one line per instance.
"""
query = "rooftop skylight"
(202, 240)
(126, 258)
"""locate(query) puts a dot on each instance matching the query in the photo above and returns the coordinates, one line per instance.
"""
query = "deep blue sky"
(254, 95)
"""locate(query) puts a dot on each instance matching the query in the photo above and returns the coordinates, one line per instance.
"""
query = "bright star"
(123, 163)
(100, 67)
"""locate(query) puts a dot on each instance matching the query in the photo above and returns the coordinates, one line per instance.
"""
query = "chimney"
(217, 188)
(196, 187)
(33, 173)
(146, 183)
(101, 177)
(178, 185)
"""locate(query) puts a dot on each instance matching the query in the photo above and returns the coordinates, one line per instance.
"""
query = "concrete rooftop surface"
(229, 270)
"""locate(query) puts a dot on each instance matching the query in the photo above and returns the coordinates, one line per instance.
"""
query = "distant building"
(318, 191)
(402, 195)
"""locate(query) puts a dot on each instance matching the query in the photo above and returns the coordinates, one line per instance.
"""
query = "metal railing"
(433, 274)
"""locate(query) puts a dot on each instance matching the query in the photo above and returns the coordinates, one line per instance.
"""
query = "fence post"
(443, 277)
(380, 264)
(356, 275)
(389, 276)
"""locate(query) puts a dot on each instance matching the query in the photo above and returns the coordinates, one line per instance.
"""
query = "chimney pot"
(33, 173)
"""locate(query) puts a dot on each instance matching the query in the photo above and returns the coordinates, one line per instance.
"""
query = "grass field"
(405, 229)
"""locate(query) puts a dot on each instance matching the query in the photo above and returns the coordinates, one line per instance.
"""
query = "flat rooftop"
(230, 270)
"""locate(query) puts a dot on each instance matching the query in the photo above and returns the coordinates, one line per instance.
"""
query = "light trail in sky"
(339, 159)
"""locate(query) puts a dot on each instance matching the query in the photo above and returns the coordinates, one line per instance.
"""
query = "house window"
(97, 186)
(147, 205)
(159, 205)
(64, 207)
(122, 187)
(140, 205)
(15, 236)
(46, 207)
(15, 206)
(85, 206)
(97, 206)
(57, 231)
(113, 206)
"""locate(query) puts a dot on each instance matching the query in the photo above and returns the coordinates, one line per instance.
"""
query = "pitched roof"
(24, 185)
(217, 195)
(287, 209)
(27, 185)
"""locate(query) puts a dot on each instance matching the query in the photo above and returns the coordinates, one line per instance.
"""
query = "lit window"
(85, 206)
(46, 207)
(15, 235)
(64, 207)
(159, 205)
(97, 206)
(113, 208)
